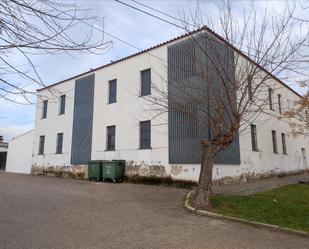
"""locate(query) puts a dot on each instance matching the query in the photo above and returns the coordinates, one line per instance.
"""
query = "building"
(3, 153)
(19, 158)
(102, 114)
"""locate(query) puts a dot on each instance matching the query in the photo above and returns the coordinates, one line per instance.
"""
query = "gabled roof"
(204, 28)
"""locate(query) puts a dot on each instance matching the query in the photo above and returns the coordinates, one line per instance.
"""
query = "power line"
(147, 13)
(163, 13)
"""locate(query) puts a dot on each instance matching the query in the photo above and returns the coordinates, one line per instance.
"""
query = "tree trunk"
(204, 188)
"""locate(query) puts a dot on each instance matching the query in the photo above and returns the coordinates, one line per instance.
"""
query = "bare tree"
(220, 84)
(29, 28)
(299, 113)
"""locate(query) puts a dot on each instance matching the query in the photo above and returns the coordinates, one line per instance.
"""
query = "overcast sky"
(131, 26)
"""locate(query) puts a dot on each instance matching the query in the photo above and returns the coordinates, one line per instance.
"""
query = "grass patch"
(286, 206)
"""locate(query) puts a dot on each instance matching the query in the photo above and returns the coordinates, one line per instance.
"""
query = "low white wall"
(19, 158)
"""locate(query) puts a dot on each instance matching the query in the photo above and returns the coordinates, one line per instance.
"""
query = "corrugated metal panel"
(82, 120)
(190, 91)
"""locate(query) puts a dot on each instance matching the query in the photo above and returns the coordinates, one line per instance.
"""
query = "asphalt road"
(48, 212)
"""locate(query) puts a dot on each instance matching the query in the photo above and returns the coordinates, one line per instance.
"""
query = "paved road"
(48, 212)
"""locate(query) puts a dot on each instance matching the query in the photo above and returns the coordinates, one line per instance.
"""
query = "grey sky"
(130, 25)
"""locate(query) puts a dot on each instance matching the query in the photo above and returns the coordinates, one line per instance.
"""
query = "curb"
(191, 209)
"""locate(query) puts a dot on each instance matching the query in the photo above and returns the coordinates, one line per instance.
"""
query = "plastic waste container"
(95, 170)
(114, 170)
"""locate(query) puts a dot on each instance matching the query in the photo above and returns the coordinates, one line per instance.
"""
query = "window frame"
(279, 104)
(62, 105)
(270, 99)
(41, 145)
(143, 93)
(145, 142)
(254, 142)
(250, 93)
(110, 100)
(283, 141)
(59, 147)
(110, 144)
(274, 141)
(44, 109)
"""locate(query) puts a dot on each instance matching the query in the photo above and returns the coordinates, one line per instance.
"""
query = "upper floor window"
(62, 105)
(274, 138)
(145, 134)
(270, 98)
(146, 82)
(112, 91)
(254, 138)
(283, 144)
(41, 145)
(59, 143)
(111, 137)
(279, 103)
(250, 94)
(44, 110)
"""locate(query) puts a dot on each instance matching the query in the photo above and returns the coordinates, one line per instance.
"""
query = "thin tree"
(30, 28)
(223, 83)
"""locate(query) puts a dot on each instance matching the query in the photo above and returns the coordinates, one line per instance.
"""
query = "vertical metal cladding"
(189, 96)
(82, 120)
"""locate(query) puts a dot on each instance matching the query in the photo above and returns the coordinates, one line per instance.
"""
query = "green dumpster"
(95, 170)
(113, 170)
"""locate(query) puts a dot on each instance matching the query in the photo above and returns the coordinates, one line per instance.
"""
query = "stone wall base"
(154, 174)
(76, 172)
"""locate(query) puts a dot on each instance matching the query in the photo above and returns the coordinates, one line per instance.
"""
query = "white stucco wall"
(53, 124)
(19, 157)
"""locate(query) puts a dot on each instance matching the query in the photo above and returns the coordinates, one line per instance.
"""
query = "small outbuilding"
(19, 157)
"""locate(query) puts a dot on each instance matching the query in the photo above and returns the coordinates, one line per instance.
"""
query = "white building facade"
(102, 114)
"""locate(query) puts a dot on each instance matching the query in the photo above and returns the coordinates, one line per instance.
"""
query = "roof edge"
(204, 28)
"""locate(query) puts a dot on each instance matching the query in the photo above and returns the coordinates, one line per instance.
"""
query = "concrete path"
(51, 213)
(253, 187)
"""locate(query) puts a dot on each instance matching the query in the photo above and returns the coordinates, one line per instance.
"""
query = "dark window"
(112, 91)
(254, 138)
(145, 134)
(111, 134)
(44, 111)
(146, 82)
(250, 94)
(279, 103)
(62, 105)
(283, 143)
(59, 143)
(270, 98)
(41, 145)
(274, 138)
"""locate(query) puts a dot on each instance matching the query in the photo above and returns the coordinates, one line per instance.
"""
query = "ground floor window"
(111, 135)
(145, 134)
(41, 145)
(59, 143)
(274, 138)
(254, 138)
